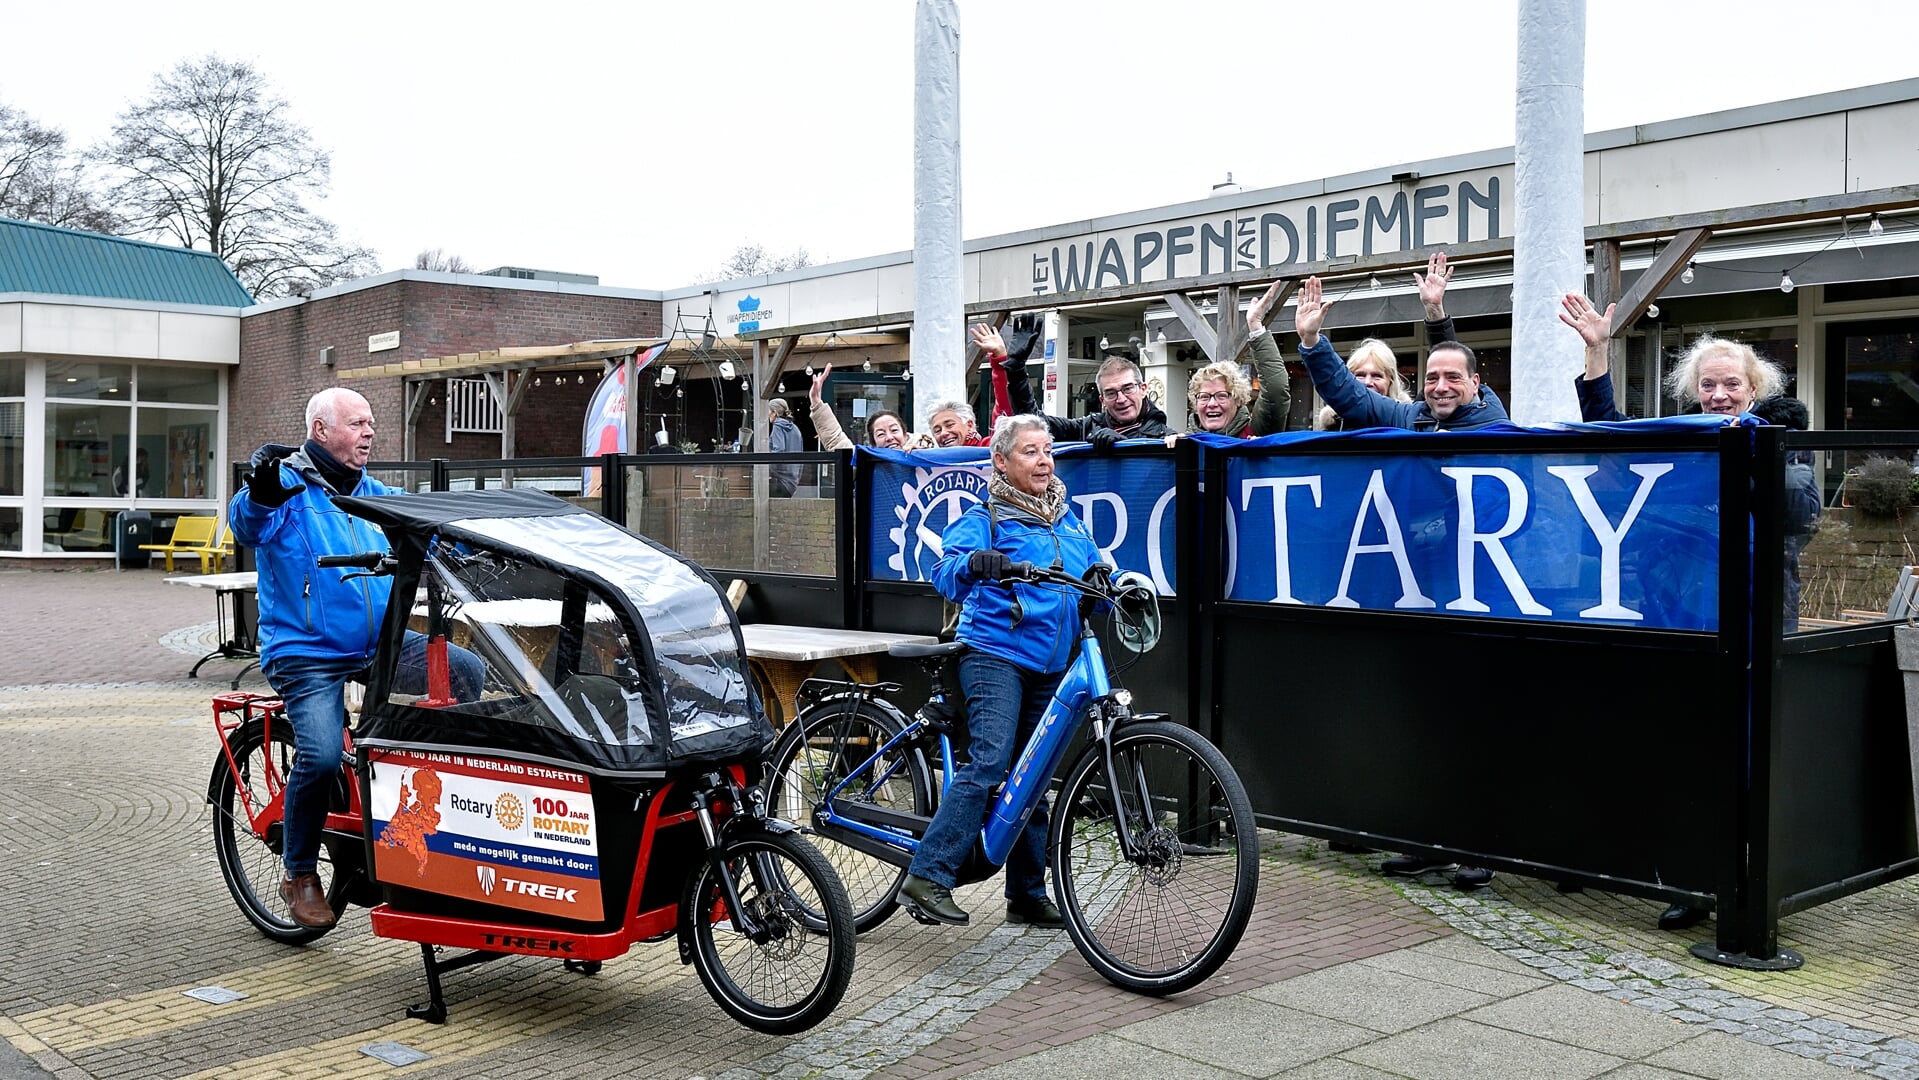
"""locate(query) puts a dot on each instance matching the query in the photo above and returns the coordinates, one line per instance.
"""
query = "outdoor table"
(783, 657)
(236, 636)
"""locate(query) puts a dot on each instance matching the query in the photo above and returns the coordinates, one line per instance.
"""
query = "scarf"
(338, 477)
(1049, 507)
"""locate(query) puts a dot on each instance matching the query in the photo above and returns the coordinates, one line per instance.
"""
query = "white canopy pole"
(939, 293)
(1549, 239)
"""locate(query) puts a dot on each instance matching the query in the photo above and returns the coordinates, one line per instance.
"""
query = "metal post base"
(1786, 960)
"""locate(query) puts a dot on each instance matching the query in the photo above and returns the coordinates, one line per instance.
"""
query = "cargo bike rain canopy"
(603, 650)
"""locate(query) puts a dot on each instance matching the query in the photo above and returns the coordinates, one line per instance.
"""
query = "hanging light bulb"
(680, 392)
(745, 383)
(1372, 282)
(434, 400)
(1652, 311)
(907, 375)
(868, 366)
(1785, 281)
(1875, 227)
(536, 380)
(1102, 341)
(1687, 277)
(580, 379)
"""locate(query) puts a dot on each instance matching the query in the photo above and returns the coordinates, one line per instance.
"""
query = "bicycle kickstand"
(434, 1011)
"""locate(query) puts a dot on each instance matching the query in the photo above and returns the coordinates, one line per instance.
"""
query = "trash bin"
(131, 528)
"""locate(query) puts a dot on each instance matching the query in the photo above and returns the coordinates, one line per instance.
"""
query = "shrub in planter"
(1882, 486)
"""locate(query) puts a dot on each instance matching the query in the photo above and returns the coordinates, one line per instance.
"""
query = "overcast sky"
(644, 142)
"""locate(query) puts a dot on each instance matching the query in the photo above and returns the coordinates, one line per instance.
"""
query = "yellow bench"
(195, 536)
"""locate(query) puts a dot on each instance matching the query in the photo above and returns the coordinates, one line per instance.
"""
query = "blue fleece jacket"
(1046, 631)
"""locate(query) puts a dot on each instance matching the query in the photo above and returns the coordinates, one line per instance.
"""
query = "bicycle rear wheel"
(792, 974)
(819, 749)
(250, 863)
(1165, 919)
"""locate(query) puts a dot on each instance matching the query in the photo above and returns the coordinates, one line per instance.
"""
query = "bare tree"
(40, 181)
(752, 260)
(213, 160)
(437, 259)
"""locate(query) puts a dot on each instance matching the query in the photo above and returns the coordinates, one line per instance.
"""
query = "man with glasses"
(1126, 412)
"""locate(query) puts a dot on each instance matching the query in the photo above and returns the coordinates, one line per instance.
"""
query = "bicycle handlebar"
(365, 560)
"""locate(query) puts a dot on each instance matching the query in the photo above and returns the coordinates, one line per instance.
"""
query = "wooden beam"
(1287, 287)
(1606, 291)
(833, 327)
(1196, 324)
(1776, 213)
(775, 367)
(1231, 328)
(1672, 262)
(517, 383)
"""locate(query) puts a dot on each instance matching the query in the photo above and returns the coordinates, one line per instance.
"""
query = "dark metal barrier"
(1754, 771)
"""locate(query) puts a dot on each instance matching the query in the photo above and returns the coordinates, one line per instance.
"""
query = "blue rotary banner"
(1593, 536)
(1125, 501)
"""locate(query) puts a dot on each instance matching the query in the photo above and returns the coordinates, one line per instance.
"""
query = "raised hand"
(988, 341)
(1027, 330)
(819, 383)
(1594, 326)
(1432, 285)
(1309, 311)
(1256, 314)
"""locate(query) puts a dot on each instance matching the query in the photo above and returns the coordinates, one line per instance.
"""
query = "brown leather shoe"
(307, 902)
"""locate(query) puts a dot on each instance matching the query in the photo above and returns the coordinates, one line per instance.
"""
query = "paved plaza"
(111, 907)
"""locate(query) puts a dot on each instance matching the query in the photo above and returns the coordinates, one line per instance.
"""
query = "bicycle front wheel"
(1162, 919)
(839, 742)
(250, 861)
(792, 971)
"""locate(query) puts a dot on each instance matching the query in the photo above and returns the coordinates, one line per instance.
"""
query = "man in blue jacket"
(1021, 638)
(318, 626)
(1452, 400)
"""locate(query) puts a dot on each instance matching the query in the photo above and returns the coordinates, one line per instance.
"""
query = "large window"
(80, 442)
(113, 433)
(13, 429)
(1872, 371)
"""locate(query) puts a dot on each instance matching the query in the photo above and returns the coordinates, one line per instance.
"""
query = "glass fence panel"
(729, 515)
(1855, 554)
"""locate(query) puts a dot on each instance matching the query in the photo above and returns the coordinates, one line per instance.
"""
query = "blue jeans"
(314, 691)
(1003, 705)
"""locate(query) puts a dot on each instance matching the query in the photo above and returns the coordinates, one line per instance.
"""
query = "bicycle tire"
(782, 880)
(1167, 921)
(836, 740)
(251, 865)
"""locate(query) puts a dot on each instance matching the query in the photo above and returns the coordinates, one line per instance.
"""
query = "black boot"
(931, 900)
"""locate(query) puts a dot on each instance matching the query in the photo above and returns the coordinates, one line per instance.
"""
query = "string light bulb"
(1686, 278)
(1372, 282)
(1875, 227)
(809, 371)
(1652, 311)
(536, 380)
(868, 366)
(1103, 341)
(1785, 281)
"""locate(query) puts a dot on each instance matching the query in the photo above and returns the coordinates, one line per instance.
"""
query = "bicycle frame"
(1084, 682)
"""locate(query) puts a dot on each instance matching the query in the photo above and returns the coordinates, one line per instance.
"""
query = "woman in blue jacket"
(1021, 636)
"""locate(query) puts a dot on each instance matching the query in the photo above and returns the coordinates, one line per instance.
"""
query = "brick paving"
(113, 906)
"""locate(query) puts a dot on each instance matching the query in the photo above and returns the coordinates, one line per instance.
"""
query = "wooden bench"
(195, 536)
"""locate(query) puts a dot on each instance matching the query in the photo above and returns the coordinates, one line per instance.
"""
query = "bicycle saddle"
(923, 652)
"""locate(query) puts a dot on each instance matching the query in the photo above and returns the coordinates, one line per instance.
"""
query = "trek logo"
(510, 941)
(544, 892)
(487, 877)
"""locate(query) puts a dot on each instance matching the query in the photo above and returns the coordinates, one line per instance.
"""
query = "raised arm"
(1275, 403)
(1432, 297)
(825, 424)
(1347, 395)
(1594, 327)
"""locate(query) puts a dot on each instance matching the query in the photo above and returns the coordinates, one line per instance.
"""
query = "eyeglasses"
(1223, 397)
(1114, 393)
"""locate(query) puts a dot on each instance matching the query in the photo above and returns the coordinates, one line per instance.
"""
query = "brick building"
(292, 348)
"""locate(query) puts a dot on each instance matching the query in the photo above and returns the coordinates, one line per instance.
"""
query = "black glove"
(1104, 439)
(990, 564)
(263, 483)
(1100, 576)
(1021, 338)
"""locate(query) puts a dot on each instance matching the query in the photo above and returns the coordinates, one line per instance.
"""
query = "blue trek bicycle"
(1153, 846)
